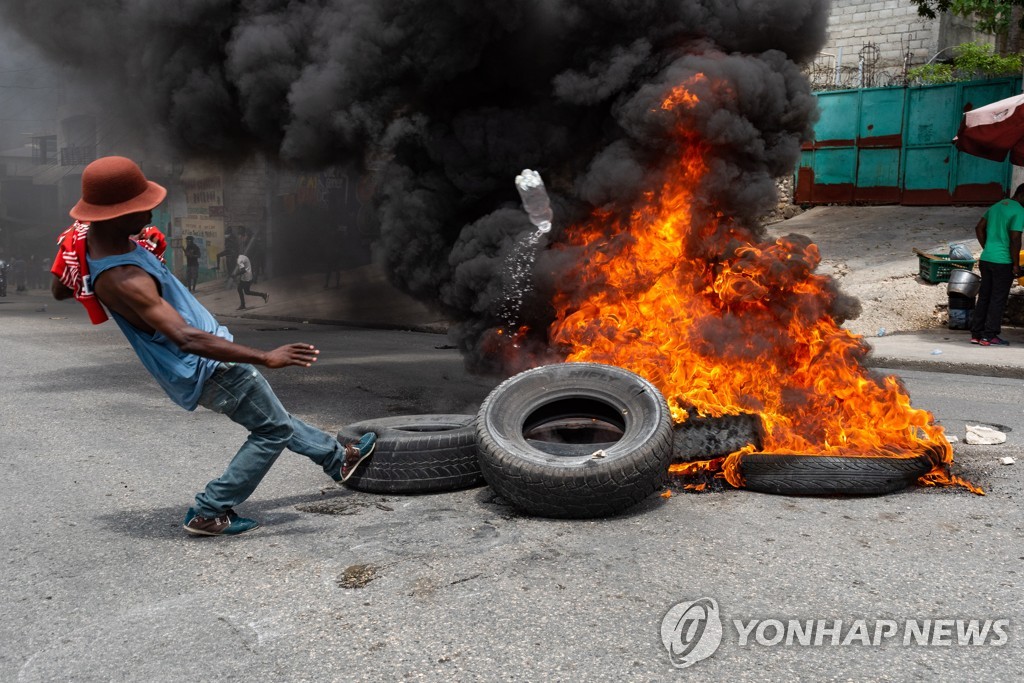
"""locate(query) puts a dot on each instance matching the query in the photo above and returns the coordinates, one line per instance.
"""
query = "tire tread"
(417, 462)
(830, 475)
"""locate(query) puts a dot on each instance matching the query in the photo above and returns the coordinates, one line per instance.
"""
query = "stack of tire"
(582, 440)
(574, 440)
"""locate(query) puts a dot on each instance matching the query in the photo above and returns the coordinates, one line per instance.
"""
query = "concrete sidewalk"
(949, 351)
(866, 239)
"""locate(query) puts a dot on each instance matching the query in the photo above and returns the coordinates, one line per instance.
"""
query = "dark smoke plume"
(450, 100)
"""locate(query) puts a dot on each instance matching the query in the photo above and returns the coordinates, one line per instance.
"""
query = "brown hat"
(115, 186)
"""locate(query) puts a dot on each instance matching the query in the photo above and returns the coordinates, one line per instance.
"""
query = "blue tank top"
(181, 374)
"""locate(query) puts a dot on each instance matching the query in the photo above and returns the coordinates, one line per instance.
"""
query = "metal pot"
(964, 282)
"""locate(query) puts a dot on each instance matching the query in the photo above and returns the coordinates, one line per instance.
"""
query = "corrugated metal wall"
(894, 146)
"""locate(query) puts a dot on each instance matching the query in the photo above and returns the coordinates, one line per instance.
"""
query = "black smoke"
(448, 101)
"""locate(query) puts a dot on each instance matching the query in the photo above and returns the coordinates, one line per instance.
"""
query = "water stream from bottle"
(519, 264)
(517, 276)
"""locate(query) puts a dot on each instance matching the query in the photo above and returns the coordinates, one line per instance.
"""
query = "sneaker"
(994, 341)
(228, 524)
(355, 454)
(975, 340)
(240, 308)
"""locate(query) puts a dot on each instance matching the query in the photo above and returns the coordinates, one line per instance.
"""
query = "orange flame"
(682, 95)
(726, 324)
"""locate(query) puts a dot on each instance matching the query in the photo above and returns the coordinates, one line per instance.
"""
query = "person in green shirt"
(999, 232)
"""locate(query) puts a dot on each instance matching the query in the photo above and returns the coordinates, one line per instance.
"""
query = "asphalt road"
(100, 583)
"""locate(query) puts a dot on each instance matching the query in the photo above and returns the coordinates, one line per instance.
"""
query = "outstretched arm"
(132, 293)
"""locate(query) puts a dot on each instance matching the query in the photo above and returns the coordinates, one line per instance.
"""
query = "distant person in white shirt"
(243, 271)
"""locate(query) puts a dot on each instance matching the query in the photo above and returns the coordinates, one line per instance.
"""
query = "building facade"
(874, 43)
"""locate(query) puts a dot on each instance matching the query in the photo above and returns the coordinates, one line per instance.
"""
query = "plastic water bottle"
(535, 199)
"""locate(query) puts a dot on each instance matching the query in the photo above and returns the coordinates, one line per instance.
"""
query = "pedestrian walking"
(33, 272)
(243, 273)
(43, 272)
(191, 263)
(999, 233)
(20, 271)
(334, 255)
(190, 354)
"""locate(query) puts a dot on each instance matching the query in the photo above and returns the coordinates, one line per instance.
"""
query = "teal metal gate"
(894, 146)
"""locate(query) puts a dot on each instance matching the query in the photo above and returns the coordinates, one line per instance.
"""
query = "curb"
(952, 368)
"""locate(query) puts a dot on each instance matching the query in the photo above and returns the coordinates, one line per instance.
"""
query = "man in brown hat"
(186, 350)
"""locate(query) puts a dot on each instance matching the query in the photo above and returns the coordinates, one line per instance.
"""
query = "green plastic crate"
(936, 267)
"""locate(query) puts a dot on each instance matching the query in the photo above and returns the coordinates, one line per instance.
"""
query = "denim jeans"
(241, 393)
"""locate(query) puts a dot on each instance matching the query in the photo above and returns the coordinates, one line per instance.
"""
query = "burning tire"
(575, 440)
(704, 438)
(830, 475)
(417, 454)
